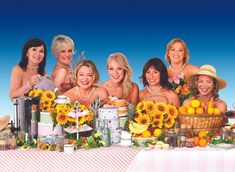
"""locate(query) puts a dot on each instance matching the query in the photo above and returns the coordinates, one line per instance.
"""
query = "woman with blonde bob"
(120, 84)
(205, 86)
(62, 48)
(86, 91)
(177, 55)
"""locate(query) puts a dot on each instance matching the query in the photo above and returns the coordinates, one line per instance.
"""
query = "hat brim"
(221, 83)
(4, 122)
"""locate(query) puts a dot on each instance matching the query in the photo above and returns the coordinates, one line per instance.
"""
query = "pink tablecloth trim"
(114, 158)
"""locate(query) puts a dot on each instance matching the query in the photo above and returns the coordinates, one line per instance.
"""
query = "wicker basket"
(212, 123)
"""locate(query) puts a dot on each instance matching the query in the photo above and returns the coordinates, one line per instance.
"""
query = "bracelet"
(29, 85)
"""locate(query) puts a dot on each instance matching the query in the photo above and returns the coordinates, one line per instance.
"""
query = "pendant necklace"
(153, 92)
(85, 97)
(173, 70)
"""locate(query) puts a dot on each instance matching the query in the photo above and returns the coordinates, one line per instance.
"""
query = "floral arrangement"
(64, 114)
(46, 98)
(180, 86)
(150, 118)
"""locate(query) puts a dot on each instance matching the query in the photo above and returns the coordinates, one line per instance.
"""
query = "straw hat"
(4, 121)
(209, 71)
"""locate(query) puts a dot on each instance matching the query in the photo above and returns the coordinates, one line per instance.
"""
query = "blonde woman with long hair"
(120, 85)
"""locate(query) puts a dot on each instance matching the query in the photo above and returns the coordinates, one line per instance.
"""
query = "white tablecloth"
(185, 159)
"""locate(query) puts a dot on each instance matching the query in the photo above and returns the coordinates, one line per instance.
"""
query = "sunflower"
(83, 107)
(165, 117)
(89, 117)
(50, 95)
(61, 118)
(161, 107)
(158, 116)
(157, 123)
(141, 106)
(32, 93)
(172, 111)
(82, 120)
(70, 119)
(169, 123)
(150, 107)
(45, 108)
(39, 93)
(137, 114)
(144, 119)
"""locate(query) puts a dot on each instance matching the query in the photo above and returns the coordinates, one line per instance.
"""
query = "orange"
(210, 110)
(203, 104)
(183, 110)
(208, 139)
(202, 134)
(146, 134)
(196, 140)
(199, 111)
(202, 143)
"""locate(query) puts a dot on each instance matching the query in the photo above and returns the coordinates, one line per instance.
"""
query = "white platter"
(223, 145)
(81, 128)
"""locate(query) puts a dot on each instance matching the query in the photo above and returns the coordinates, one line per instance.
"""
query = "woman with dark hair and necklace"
(156, 84)
(63, 75)
(25, 75)
(86, 91)
(177, 55)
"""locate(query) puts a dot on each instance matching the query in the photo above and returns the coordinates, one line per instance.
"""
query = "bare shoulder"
(104, 84)
(17, 69)
(100, 88)
(135, 86)
(222, 105)
(142, 94)
(192, 68)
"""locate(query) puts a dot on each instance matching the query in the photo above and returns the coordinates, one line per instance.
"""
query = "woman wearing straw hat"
(205, 86)
(177, 55)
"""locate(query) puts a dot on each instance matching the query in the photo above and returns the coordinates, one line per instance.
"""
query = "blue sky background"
(139, 29)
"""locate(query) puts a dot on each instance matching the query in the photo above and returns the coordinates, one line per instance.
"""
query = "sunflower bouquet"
(180, 86)
(150, 118)
(46, 98)
(64, 114)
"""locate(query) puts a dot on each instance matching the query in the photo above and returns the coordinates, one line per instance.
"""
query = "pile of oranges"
(201, 139)
(199, 108)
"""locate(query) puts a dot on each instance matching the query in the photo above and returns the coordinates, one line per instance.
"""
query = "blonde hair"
(58, 40)
(122, 61)
(170, 44)
(91, 66)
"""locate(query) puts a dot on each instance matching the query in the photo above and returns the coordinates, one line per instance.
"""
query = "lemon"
(217, 111)
(199, 111)
(195, 103)
(191, 111)
(210, 110)
(157, 132)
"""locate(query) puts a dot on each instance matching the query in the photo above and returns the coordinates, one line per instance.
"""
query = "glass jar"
(171, 138)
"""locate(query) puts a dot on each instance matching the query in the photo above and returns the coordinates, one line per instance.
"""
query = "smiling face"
(35, 55)
(64, 54)
(153, 76)
(205, 85)
(176, 53)
(85, 77)
(116, 73)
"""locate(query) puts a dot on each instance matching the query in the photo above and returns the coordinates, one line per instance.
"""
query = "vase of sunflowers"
(150, 119)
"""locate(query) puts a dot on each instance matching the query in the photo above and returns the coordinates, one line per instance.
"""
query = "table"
(185, 159)
(114, 158)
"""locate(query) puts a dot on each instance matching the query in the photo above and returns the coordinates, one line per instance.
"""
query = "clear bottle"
(106, 137)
